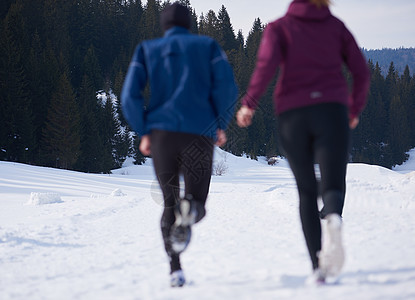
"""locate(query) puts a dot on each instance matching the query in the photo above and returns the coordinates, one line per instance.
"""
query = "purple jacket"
(310, 46)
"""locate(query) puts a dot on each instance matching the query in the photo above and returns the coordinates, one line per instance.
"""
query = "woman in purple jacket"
(315, 114)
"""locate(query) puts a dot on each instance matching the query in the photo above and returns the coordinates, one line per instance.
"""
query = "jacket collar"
(176, 30)
(305, 10)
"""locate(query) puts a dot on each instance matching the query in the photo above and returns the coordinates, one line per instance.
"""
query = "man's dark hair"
(175, 14)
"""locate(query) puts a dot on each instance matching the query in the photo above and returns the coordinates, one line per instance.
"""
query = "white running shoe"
(331, 257)
(317, 278)
(177, 279)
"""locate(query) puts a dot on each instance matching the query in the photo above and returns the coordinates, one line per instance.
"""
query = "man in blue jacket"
(193, 94)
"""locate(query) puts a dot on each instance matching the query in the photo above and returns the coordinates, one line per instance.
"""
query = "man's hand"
(244, 116)
(145, 145)
(220, 138)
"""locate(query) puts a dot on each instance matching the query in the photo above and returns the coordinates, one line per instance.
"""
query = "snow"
(43, 198)
(69, 235)
(409, 165)
(103, 96)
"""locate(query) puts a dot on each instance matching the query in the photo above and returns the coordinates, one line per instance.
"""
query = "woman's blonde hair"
(320, 3)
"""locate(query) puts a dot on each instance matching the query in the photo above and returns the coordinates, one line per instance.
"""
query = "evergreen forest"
(401, 58)
(63, 63)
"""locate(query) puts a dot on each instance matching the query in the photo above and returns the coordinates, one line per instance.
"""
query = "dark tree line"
(387, 125)
(62, 66)
(401, 58)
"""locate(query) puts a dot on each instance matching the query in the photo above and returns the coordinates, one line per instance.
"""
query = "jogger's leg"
(197, 173)
(297, 143)
(169, 184)
(317, 133)
(173, 153)
(331, 147)
(331, 150)
(310, 220)
(166, 165)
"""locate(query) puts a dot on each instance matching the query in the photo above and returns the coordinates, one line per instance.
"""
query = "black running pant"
(317, 134)
(185, 154)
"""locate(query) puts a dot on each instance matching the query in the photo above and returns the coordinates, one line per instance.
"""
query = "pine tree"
(92, 69)
(39, 87)
(209, 25)
(365, 143)
(121, 141)
(264, 122)
(240, 69)
(237, 137)
(398, 133)
(150, 22)
(61, 134)
(116, 139)
(377, 109)
(390, 93)
(194, 24)
(56, 29)
(132, 23)
(252, 44)
(406, 92)
(185, 3)
(4, 7)
(111, 27)
(411, 110)
(90, 159)
(119, 81)
(226, 33)
(240, 39)
(121, 145)
(254, 39)
(391, 81)
(16, 133)
(84, 32)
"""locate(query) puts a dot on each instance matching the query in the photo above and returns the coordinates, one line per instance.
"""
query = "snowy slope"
(409, 165)
(98, 237)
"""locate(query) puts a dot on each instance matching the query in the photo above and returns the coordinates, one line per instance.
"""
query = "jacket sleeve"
(268, 59)
(131, 95)
(359, 69)
(224, 90)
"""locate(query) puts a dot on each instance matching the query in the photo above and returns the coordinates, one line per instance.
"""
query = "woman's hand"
(353, 122)
(244, 116)
(145, 145)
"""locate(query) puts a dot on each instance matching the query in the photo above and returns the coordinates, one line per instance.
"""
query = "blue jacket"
(191, 83)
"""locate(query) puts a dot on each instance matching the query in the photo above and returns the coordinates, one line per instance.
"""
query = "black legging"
(317, 134)
(191, 155)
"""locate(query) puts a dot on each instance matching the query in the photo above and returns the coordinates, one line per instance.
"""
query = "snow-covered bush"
(220, 167)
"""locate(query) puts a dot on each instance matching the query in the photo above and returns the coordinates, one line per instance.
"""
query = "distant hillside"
(400, 57)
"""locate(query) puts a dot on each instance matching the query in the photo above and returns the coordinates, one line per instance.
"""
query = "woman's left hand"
(353, 122)
(244, 116)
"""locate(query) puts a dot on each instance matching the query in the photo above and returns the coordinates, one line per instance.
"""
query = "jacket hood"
(304, 9)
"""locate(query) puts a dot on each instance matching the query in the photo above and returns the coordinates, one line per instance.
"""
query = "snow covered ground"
(69, 235)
